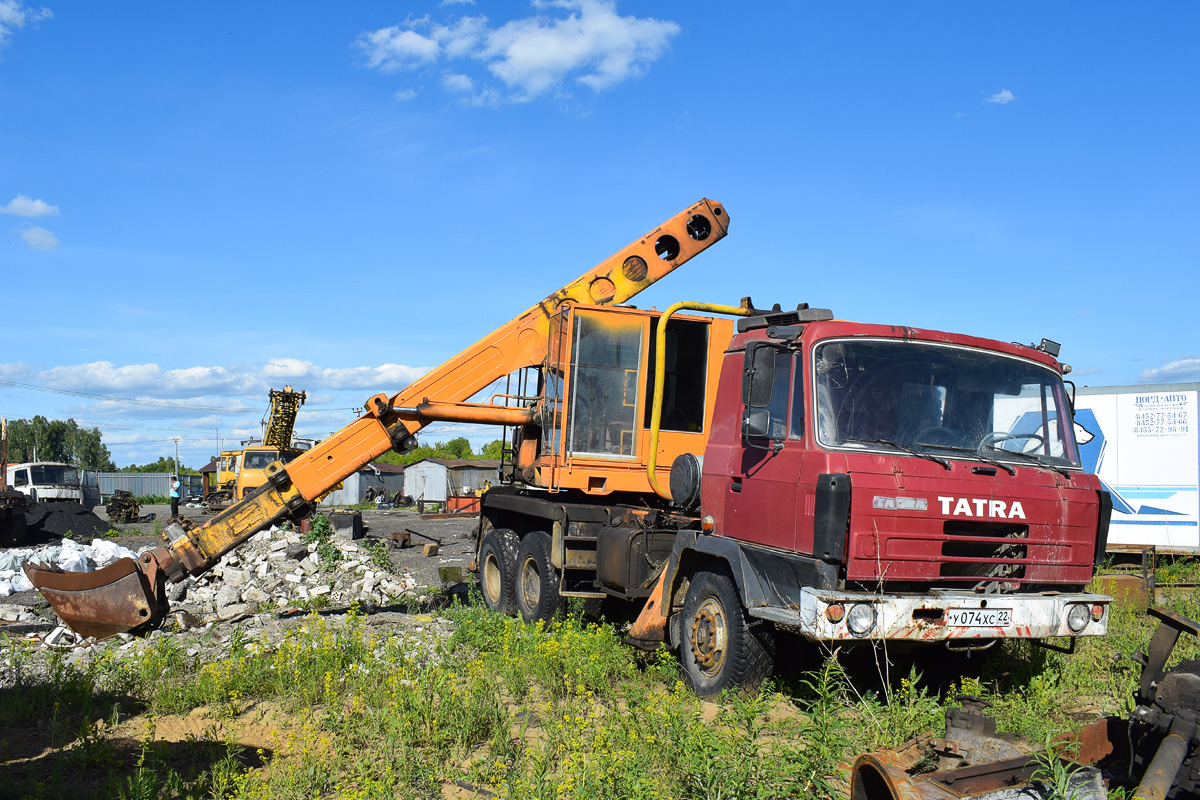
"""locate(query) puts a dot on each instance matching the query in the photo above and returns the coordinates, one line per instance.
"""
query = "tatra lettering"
(980, 507)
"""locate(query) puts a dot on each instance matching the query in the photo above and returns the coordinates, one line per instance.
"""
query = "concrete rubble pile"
(69, 555)
(276, 570)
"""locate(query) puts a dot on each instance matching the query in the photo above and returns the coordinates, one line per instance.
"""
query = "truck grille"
(991, 550)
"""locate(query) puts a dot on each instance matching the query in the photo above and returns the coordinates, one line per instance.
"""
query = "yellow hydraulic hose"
(660, 377)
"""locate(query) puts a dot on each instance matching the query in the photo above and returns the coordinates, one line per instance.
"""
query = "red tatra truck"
(840, 481)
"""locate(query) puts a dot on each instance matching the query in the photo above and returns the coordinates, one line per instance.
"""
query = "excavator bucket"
(120, 598)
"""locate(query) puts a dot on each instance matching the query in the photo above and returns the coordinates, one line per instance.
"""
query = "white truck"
(46, 481)
(1144, 443)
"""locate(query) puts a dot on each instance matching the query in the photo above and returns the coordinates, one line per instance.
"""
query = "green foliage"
(458, 448)
(532, 711)
(380, 558)
(57, 440)
(163, 464)
(321, 532)
(492, 450)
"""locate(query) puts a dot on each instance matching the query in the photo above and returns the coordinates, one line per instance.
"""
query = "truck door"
(762, 504)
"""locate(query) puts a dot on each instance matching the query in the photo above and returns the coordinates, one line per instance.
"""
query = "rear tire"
(497, 570)
(720, 648)
(537, 580)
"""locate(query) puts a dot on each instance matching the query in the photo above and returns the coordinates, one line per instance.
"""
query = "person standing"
(174, 496)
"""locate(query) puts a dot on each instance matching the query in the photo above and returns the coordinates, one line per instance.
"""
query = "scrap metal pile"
(1153, 754)
(122, 507)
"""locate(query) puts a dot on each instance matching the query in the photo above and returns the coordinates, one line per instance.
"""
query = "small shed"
(388, 478)
(206, 474)
(432, 480)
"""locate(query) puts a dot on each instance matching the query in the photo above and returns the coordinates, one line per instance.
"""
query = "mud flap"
(119, 598)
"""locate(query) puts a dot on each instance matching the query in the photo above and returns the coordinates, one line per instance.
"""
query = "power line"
(132, 401)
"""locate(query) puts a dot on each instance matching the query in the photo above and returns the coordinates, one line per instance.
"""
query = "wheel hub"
(531, 583)
(491, 577)
(709, 632)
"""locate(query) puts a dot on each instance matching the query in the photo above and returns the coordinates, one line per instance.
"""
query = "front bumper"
(927, 617)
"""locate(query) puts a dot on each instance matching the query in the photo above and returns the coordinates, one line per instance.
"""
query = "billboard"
(1143, 443)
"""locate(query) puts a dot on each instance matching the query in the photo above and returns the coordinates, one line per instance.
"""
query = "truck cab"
(904, 461)
(253, 462)
(46, 481)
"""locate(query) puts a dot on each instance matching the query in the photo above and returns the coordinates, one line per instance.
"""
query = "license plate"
(979, 617)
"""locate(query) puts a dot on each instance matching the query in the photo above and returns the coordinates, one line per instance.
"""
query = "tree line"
(459, 448)
(41, 439)
(65, 441)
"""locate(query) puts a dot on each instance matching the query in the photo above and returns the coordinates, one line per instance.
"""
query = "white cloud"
(1001, 98)
(39, 238)
(14, 15)
(150, 380)
(288, 368)
(582, 40)
(457, 82)
(405, 94)
(394, 48)
(457, 2)
(23, 206)
(1185, 369)
(387, 377)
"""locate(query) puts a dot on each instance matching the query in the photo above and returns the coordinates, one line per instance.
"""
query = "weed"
(378, 550)
(321, 533)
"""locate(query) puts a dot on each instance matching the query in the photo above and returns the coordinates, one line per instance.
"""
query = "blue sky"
(200, 201)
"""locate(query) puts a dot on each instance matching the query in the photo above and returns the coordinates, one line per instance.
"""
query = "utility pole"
(176, 455)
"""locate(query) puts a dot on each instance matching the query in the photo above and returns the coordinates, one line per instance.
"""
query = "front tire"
(537, 579)
(720, 649)
(498, 569)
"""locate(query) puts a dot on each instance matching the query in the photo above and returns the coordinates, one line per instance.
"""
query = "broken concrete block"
(232, 610)
(430, 549)
(228, 596)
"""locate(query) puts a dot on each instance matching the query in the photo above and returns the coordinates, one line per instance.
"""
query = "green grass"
(525, 711)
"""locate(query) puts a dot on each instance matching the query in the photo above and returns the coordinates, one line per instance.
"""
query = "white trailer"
(1144, 443)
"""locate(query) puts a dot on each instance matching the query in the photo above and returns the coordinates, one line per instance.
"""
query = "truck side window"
(778, 407)
(21, 478)
(796, 429)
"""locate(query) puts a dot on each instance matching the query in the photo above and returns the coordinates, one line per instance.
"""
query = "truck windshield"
(259, 459)
(53, 474)
(940, 398)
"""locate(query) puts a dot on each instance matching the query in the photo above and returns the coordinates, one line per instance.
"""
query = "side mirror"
(756, 423)
(1071, 399)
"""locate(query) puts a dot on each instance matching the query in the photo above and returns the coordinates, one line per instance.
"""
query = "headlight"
(861, 618)
(1078, 616)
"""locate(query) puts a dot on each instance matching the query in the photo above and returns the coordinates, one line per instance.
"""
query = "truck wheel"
(720, 649)
(497, 570)
(537, 579)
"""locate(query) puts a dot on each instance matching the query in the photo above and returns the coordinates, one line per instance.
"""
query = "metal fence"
(143, 484)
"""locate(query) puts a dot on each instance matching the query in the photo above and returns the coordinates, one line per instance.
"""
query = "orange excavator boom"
(130, 596)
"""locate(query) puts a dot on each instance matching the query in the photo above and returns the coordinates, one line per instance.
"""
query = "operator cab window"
(21, 478)
(604, 385)
(685, 364)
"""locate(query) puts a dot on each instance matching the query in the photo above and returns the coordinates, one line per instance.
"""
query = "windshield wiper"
(1033, 460)
(975, 453)
(906, 449)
